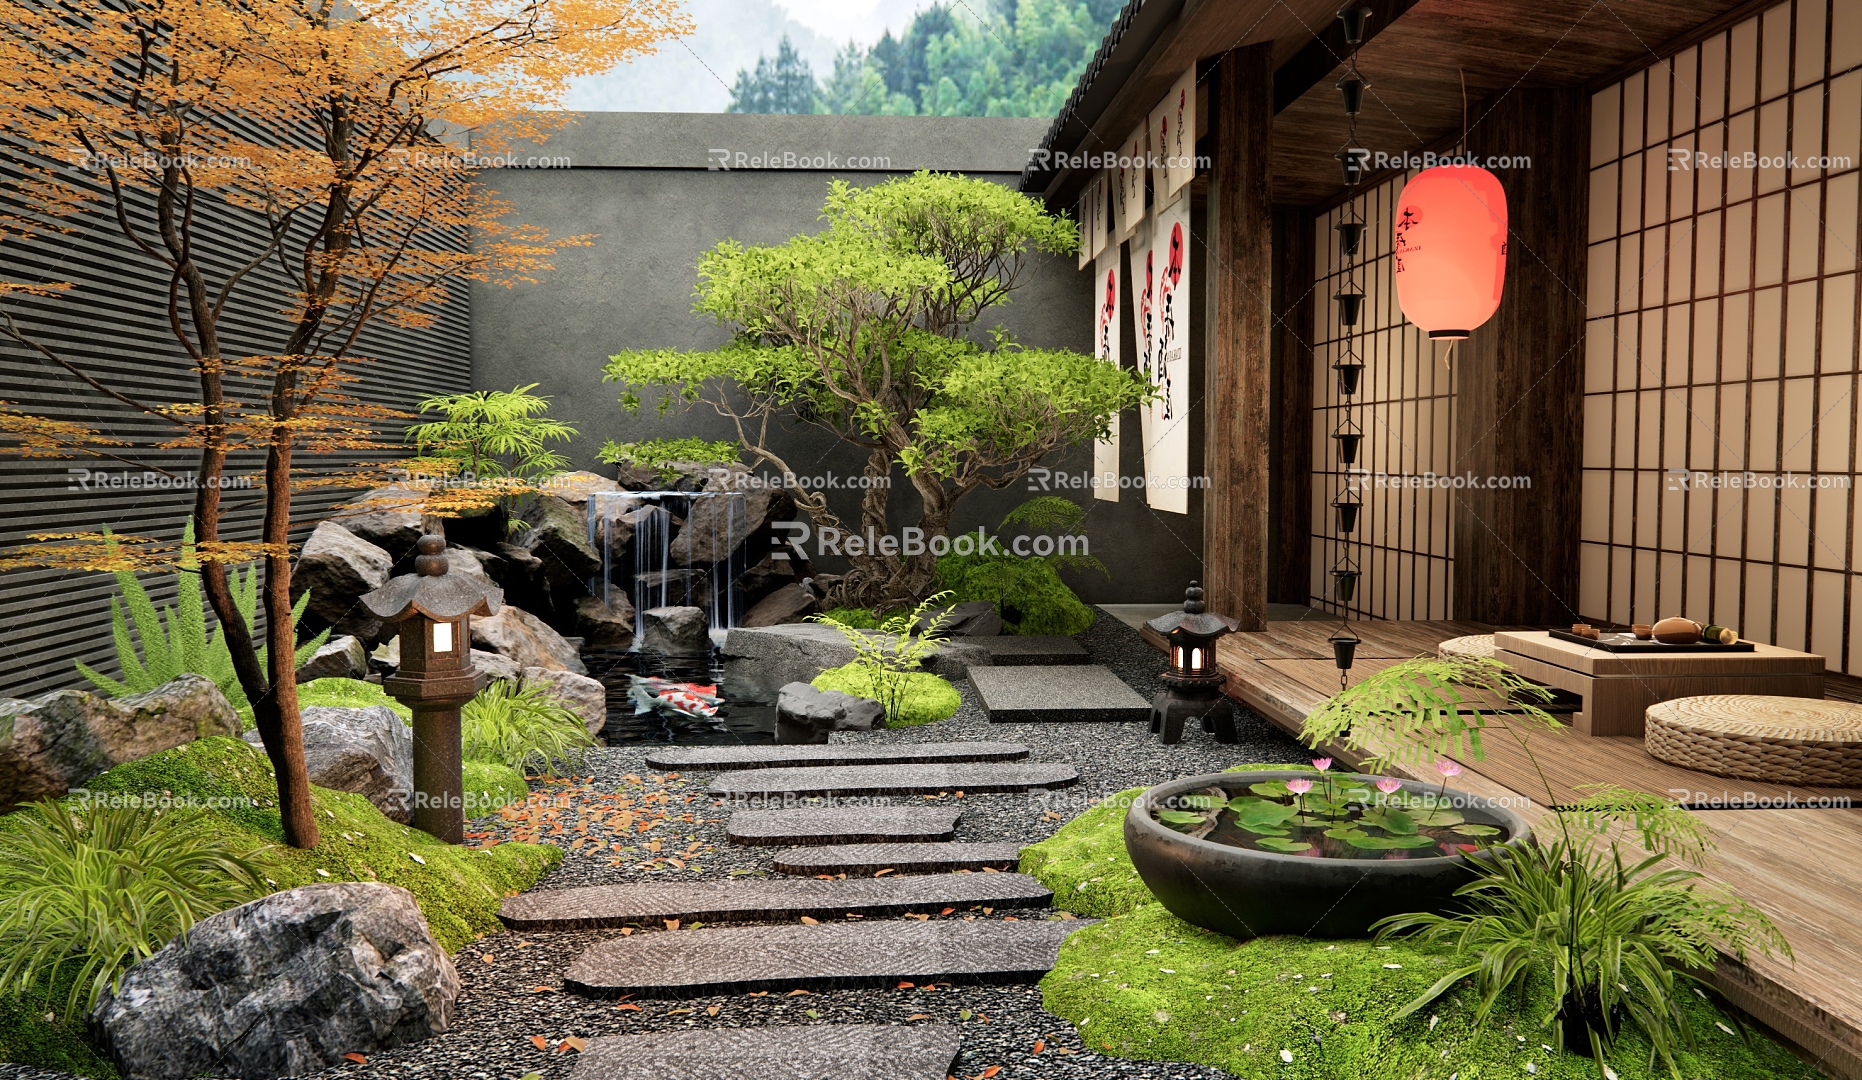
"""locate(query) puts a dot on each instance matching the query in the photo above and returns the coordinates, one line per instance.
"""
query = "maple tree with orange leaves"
(336, 125)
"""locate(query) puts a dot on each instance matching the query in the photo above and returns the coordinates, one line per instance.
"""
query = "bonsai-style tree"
(319, 121)
(869, 330)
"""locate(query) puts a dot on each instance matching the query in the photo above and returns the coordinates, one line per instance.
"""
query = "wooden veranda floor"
(1802, 865)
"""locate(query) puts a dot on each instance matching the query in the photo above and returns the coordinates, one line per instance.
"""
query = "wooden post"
(1519, 386)
(1238, 377)
(1290, 542)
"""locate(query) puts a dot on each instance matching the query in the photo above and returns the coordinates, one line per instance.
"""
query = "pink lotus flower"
(1448, 768)
(1322, 763)
(1299, 787)
(1388, 785)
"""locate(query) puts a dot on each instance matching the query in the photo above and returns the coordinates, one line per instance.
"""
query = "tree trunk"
(280, 724)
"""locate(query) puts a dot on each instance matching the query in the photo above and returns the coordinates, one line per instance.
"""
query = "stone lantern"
(1193, 685)
(434, 610)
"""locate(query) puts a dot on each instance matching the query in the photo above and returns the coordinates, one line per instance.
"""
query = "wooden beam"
(1519, 379)
(1238, 375)
(1289, 557)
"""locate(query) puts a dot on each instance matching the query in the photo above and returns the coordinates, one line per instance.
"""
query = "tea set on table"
(1674, 630)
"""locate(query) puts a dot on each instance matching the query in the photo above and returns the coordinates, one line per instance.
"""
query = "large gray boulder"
(719, 524)
(343, 657)
(575, 487)
(558, 535)
(770, 656)
(337, 566)
(608, 625)
(673, 588)
(679, 630)
(807, 715)
(54, 742)
(390, 519)
(787, 604)
(283, 986)
(523, 637)
(367, 750)
(586, 696)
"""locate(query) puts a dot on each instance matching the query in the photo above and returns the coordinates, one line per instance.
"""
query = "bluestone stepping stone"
(758, 785)
(1020, 650)
(801, 1052)
(1038, 694)
(903, 858)
(593, 907)
(842, 825)
(828, 955)
(725, 758)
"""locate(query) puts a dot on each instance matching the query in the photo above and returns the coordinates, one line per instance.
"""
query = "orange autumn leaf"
(1040, 1045)
(627, 1008)
(540, 1042)
(359, 1059)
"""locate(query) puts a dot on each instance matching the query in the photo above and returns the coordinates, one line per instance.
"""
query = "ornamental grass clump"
(86, 890)
(528, 728)
(1619, 936)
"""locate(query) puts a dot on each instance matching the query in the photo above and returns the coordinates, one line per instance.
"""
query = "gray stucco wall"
(647, 184)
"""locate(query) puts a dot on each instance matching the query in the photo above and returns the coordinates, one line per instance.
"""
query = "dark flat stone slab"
(848, 780)
(725, 758)
(842, 825)
(802, 1052)
(1072, 692)
(904, 858)
(829, 955)
(1017, 650)
(594, 907)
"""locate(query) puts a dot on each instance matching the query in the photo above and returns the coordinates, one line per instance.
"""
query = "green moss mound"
(1038, 603)
(858, 618)
(1149, 986)
(1084, 862)
(927, 697)
(490, 787)
(61, 1043)
(230, 781)
(349, 694)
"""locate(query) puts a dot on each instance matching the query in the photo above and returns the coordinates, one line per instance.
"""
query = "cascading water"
(653, 570)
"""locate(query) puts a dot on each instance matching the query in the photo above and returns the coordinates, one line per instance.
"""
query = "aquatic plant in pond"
(1333, 817)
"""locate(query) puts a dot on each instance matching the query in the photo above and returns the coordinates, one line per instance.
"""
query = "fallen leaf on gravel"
(543, 989)
(540, 1042)
(991, 870)
(1040, 1045)
(811, 922)
(626, 930)
(1010, 918)
(887, 870)
(357, 1058)
(851, 915)
(487, 958)
(947, 911)
(919, 1016)
(987, 1073)
(989, 911)
(525, 944)
(1068, 915)
(713, 1010)
(964, 1014)
(904, 986)
(793, 993)
(573, 1042)
(672, 924)
(1064, 1050)
(915, 915)
(759, 993)
(813, 1014)
(677, 1012)
(628, 1008)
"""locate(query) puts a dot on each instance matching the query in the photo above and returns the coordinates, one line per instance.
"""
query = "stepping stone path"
(1016, 650)
(811, 1052)
(723, 758)
(1036, 694)
(841, 825)
(851, 780)
(593, 907)
(901, 858)
(699, 963)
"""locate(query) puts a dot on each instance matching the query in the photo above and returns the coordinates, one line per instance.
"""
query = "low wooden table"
(1617, 688)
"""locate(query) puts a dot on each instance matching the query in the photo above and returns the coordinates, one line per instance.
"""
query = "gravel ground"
(508, 999)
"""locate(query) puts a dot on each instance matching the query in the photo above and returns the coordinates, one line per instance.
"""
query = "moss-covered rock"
(490, 787)
(61, 1043)
(1085, 861)
(927, 697)
(230, 784)
(1149, 986)
(1028, 592)
(348, 694)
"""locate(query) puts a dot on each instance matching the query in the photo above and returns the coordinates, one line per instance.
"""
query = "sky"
(695, 73)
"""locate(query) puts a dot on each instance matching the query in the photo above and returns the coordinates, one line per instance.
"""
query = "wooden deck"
(1803, 866)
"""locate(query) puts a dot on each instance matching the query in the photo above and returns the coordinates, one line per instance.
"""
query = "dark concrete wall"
(647, 185)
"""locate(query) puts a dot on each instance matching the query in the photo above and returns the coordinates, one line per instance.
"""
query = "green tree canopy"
(868, 330)
(783, 85)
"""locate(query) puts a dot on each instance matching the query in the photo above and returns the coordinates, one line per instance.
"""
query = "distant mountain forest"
(1010, 58)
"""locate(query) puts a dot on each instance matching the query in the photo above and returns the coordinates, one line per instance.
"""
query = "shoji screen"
(1723, 335)
(1404, 408)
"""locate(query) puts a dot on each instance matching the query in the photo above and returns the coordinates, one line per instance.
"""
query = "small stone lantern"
(1193, 685)
(434, 610)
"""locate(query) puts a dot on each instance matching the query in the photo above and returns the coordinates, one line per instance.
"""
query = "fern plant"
(887, 659)
(90, 890)
(1617, 939)
(175, 641)
(494, 435)
(527, 728)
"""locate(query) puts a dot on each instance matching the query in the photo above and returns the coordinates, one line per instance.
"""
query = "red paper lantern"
(1451, 249)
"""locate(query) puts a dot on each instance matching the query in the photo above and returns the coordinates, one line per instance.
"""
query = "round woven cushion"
(1785, 740)
(1480, 645)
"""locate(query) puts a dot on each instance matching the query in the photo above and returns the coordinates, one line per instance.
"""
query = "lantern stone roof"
(431, 591)
(1193, 619)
